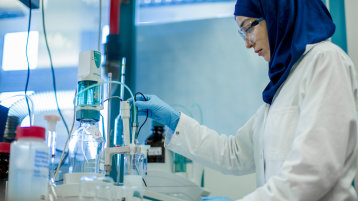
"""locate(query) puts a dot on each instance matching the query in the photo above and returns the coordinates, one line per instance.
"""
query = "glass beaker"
(137, 164)
(134, 171)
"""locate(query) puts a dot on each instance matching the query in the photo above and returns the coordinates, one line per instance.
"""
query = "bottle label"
(41, 164)
(155, 151)
(28, 174)
(94, 131)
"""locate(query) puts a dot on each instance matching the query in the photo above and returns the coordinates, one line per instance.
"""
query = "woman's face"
(256, 36)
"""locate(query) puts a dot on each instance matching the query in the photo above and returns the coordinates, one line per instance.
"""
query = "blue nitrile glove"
(216, 198)
(158, 110)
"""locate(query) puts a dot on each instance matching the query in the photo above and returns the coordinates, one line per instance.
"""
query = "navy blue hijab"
(291, 25)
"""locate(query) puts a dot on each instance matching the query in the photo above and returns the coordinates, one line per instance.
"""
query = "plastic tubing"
(113, 82)
(32, 111)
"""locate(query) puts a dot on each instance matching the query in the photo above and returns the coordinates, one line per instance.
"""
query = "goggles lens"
(247, 30)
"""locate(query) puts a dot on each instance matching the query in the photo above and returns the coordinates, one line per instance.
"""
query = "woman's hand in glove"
(157, 110)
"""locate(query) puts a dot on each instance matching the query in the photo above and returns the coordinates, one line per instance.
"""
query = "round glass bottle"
(86, 148)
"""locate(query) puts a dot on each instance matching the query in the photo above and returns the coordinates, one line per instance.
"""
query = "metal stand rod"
(109, 110)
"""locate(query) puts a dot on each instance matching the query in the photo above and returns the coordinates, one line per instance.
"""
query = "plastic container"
(86, 149)
(4, 167)
(28, 174)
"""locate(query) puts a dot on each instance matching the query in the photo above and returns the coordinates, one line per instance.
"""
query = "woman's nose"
(248, 44)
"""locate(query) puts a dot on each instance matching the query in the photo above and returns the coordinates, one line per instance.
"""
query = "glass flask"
(86, 149)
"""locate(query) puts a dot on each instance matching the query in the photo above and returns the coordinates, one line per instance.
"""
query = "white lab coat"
(302, 146)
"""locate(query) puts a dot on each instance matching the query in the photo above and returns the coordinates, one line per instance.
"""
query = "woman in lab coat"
(302, 141)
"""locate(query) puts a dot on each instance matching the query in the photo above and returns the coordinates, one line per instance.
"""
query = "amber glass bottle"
(156, 153)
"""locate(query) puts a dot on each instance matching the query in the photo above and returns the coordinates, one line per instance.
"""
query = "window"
(14, 52)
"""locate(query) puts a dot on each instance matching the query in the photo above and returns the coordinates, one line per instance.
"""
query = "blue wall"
(337, 10)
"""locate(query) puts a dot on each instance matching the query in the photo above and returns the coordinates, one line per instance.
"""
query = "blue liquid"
(91, 97)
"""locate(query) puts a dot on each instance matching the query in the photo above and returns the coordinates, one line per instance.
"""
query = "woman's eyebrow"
(242, 23)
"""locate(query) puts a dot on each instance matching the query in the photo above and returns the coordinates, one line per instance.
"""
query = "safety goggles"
(248, 29)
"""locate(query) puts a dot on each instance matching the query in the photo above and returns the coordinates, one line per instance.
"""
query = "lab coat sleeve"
(228, 154)
(323, 150)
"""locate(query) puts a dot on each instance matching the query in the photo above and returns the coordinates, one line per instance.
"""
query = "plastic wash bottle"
(28, 173)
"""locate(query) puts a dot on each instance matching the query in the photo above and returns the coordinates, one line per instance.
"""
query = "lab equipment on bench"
(135, 156)
(87, 154)
(89, 160)
(86, 143)
(133, 188)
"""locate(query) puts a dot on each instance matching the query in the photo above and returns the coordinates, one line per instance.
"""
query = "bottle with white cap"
(51, 142)
(28, 172)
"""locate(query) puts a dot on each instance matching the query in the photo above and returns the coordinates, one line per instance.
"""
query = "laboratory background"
(187, 52)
